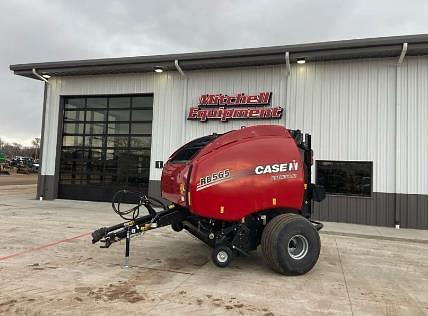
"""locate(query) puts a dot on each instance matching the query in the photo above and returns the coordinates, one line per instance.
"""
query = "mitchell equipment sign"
(240, 106)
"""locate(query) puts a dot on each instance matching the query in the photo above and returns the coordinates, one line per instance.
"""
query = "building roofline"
(322, 51)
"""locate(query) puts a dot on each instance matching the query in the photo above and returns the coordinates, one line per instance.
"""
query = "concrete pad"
(350, 228)
(171, 273)
(378, 232)
(404, 233)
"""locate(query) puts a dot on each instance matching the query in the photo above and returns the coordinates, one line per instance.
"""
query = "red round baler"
(236, 174)
(236, 191)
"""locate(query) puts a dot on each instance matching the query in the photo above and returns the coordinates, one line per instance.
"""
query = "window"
(345, 177)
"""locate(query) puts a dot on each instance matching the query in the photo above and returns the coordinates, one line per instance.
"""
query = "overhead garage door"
(105, 146)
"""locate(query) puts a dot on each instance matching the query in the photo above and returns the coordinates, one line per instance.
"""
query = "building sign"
(239, 106)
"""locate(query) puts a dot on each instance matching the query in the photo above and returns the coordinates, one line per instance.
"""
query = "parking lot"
(361, 270)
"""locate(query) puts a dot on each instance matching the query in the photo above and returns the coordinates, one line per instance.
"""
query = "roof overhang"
(325, 51)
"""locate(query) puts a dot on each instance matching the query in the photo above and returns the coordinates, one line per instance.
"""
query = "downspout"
(403, 54)
(41, 177)
(285, 85)
(287, 63)
(183, 75)
(397, 217)
(39, 76)
(177, 66)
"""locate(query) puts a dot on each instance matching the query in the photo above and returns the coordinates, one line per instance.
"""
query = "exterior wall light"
(46, 76)
(158, 69)
(301, 61)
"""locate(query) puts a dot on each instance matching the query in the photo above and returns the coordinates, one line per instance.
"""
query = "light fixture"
(158, 69)
(301, 61)
(46, 76)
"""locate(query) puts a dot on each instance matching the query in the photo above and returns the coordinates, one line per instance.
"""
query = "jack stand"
(127, 242)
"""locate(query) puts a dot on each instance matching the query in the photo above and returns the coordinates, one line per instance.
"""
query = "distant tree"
(36, 146)
(17, 145)
(16, 149)
(12, 150)
(36, 142)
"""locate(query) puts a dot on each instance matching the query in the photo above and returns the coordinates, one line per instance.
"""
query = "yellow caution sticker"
(181, 188)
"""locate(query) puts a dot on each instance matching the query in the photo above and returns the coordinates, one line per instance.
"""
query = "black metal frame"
(240, 237)
(304, 143)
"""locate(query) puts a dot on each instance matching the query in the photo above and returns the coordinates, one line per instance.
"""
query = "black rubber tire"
(177, 227)
(215, 258)
(276, 237)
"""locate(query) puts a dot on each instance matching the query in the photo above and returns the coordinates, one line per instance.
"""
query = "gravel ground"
(17, 179)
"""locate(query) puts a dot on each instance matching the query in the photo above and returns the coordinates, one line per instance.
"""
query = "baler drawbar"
(234, 191)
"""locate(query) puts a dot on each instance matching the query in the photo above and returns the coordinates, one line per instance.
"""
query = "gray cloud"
(44, 30)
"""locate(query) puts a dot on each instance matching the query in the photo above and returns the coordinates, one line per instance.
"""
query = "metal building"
(111, 123)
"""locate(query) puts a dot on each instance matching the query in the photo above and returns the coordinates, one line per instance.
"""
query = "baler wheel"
(222, 256)
(177, 227)
(290, 244)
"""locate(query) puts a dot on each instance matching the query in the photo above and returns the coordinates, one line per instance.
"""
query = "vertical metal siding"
(412, 142)
(168, 118)
(348, 107)
(412, 122)
(51, 127)
(231, 81)
(170, 127)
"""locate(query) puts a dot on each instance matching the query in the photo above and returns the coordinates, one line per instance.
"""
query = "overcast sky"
(35, 31)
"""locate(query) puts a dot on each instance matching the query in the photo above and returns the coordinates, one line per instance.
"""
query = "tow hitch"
(134, 224)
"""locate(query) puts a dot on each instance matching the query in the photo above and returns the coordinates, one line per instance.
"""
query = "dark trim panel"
(334, 50)
(413, 210)
(378, 210)
(155, 190)
(50, 187)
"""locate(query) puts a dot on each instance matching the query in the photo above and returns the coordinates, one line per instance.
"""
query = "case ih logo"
(239, 106)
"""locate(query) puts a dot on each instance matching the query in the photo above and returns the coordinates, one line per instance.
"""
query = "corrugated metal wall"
(412, 123)
(412, 142)
(232, 81)
(352, 109)
(172, 99)
(349, 108)
(369, 110)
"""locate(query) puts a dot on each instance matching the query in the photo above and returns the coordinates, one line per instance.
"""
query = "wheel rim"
(298, 247)
(222, 256)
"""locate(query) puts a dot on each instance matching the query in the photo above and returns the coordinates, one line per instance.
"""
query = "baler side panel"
(245, 178)
(174, 178)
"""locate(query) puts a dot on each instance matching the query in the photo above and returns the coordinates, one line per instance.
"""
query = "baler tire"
(215, 256)
(267, 239)
(177, 227)
(276, 238)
